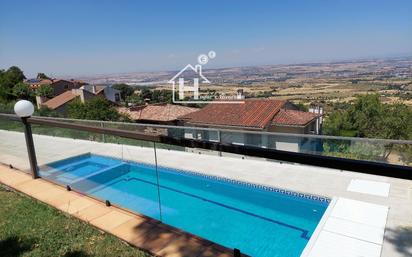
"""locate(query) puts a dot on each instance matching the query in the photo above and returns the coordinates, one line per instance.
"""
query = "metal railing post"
(219, 139)
(103, 135)
(30, 148)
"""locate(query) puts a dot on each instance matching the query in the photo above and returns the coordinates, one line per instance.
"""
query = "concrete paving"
(301, 178)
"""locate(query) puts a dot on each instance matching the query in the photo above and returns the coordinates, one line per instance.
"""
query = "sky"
(88, 37)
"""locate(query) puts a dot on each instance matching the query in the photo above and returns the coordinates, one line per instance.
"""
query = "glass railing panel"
(13, 149)
(396, 152)
(377, 150)
(118, 170)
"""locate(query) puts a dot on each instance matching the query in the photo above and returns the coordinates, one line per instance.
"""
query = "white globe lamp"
(24, 108)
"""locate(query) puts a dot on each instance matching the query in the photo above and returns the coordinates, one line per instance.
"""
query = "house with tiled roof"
(85, 92)
(59, 86)
(266, 115)
(60, 102)
(111, 94)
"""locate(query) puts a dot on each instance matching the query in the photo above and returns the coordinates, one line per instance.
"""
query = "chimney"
(240, 95)
(94, 89)
(40, 100)
(79, 92)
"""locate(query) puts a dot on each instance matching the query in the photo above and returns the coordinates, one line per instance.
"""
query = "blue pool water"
(261, 222)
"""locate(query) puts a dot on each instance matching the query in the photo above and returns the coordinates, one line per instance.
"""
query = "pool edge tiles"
(244, 183)
(288, 192)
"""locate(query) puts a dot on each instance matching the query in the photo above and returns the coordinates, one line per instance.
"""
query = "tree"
(15, 75)
(368, 117)
(135, 99)
(125, 90)
(146, 94)
(45, 91)
(302, 107)
(22, 91)
(8, 79)
(96, 108)
(76, 109)
(162, 96)
(396, 122)
(41, 75)
(338, 123)
(46, 111)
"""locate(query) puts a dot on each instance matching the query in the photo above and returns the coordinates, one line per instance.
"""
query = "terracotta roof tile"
(45, 82)
(157, 112)
(254, 113)
(59, 100)
(293, 118)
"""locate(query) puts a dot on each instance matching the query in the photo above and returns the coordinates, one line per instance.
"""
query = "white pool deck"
(369, 215)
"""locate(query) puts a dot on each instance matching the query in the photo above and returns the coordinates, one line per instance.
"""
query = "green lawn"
(30, 228)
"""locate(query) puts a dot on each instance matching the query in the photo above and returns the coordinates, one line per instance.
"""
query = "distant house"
(107, 92)
(157, 113)
(60, 102)
(85, 92)
(263, 115)
(59, 86)
(36, 83)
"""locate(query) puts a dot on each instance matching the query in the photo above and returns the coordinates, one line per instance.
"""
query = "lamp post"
(24, 109)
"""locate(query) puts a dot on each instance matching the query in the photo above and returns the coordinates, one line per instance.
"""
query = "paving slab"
(77, 205)
(51, 193)
(128, 231)
(360, 212)
(334, 245)
(33, 186)
(369, 187)
(109, 221)
(355, 230)
(13, 177)
(92, 212)
(183, 246)
(61, 199)
(352, 228)
(154, 237)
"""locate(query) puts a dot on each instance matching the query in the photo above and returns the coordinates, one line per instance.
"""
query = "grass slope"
(30, 228)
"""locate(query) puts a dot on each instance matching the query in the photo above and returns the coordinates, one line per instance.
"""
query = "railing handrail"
(361, 139)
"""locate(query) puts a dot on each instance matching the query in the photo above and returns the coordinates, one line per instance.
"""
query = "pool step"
(99, 178)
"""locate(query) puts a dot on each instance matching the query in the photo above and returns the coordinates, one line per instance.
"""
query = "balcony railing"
(374, 156)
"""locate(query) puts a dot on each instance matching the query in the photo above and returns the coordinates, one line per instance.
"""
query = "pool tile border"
(300, 195)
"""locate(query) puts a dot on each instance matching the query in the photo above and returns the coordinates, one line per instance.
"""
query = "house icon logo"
(186, 85)
(187, 80)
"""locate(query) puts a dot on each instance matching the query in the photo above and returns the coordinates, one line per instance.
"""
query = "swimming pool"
(260, 221)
